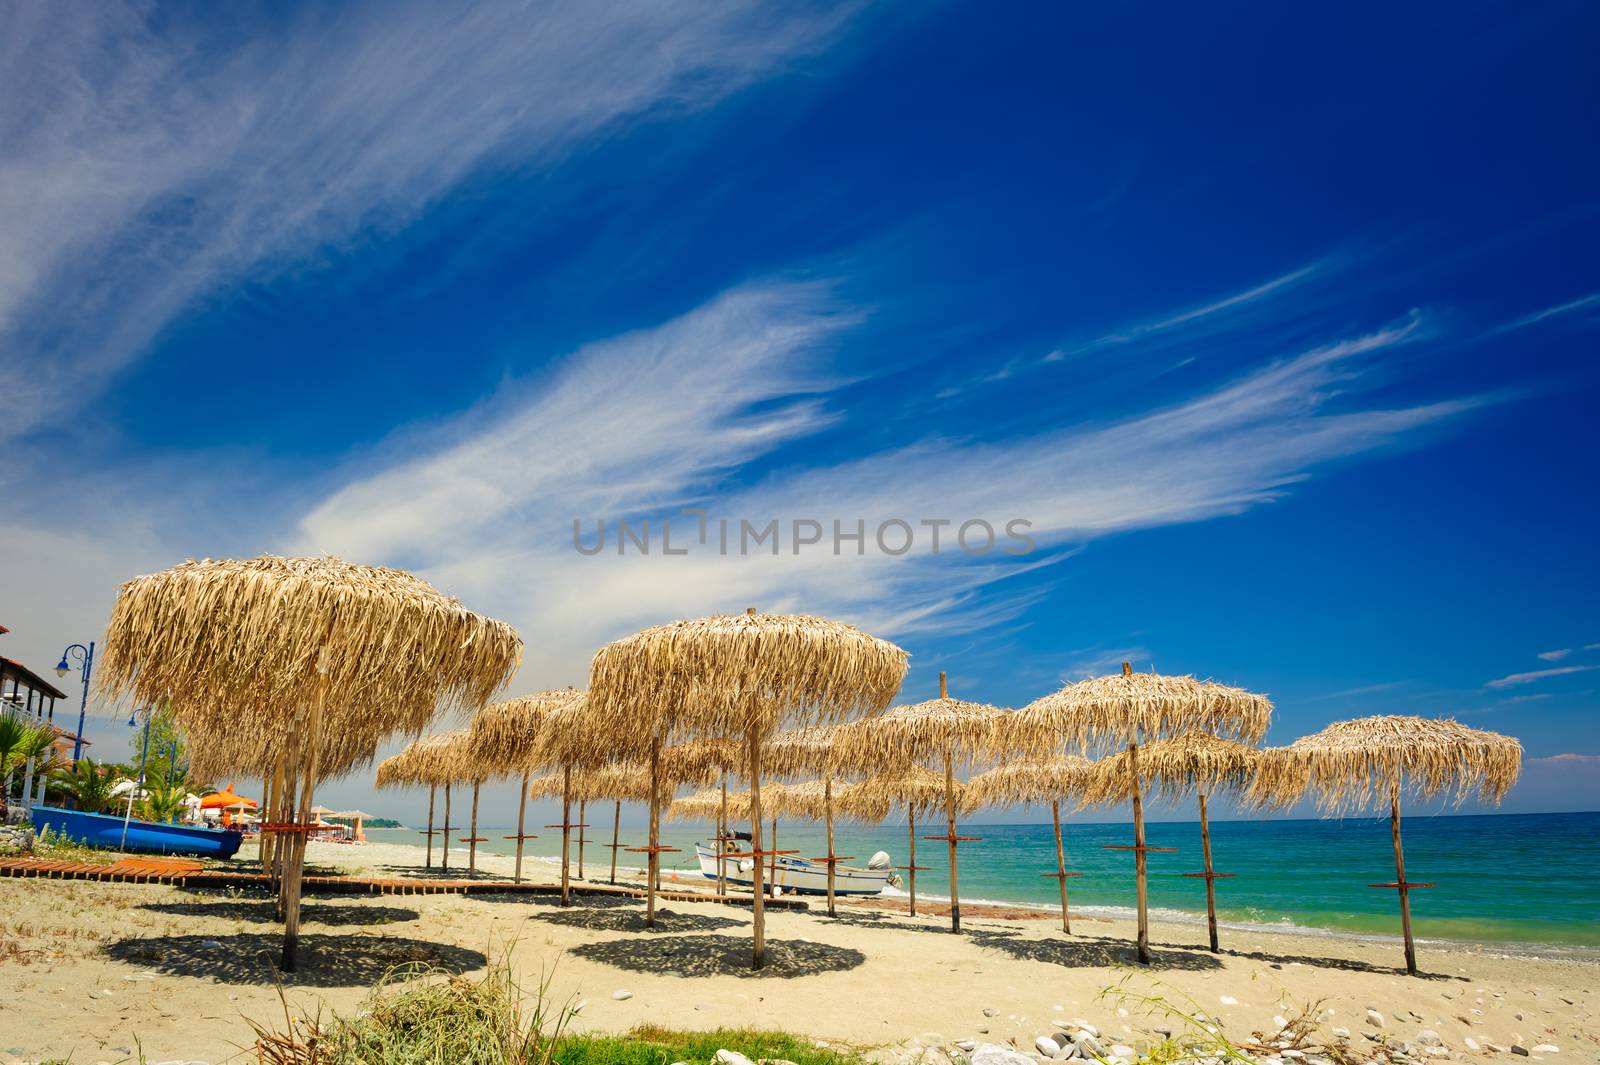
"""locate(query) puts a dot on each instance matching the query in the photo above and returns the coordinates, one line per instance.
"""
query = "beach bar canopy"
(944, 731)
(1126, 710)
(302, 652)
(1353, 766)
(1025, 783)
(741, 676)
(1197, 764)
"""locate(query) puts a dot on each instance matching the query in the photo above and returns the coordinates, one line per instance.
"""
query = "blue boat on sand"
(146, 837)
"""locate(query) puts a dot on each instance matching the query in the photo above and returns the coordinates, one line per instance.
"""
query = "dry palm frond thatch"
(1134, 707)
(1174, 769)
(915, 789)
(1028, 783)
(814, 801)
(514, 734)
(725, 674)
(1357, 765)
(924, 732)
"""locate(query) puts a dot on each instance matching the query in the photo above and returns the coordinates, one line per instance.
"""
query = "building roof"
(10, 667)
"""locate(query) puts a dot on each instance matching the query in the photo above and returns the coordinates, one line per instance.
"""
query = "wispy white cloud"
(1591, 302)
(1556, 655)
(1565, 761)
(1515, 679)
(1227, 305)
(1365, 689)
(648, 423)
(149, 165)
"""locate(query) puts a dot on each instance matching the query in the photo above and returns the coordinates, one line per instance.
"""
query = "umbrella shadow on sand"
(631, 919)
(1083, 952)
(710, 955)
(266, 912)
(348, 960)
(1353, 965)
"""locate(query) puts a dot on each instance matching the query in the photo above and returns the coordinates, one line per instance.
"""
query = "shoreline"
(1552, 951)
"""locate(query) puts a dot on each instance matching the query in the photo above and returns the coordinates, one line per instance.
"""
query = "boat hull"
(144, 837)
(795, 875)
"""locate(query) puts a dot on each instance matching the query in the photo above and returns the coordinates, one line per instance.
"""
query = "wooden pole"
(827, 812)
(266, 816)
(428, 862)
(1141, 890)
(1061, 865)
(911, 836)
(444, 848)
(522, 820)
(616, 830)
(653, 857)
(566, 832)
(772, 886)
(282, 850)
(950, 818)
(758, 911)
(297, 859)
(1400, 877)
(583, 817)
(722, 839)
(472, 840)
(1211, 883)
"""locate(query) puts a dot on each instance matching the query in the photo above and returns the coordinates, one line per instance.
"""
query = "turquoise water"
(1503, 879)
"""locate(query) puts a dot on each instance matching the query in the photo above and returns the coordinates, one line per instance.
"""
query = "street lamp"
(85, 656)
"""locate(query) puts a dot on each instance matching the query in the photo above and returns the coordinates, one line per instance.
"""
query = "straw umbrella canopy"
(1130, 709)
(298, 649)
(1354, 765)
(515, 734)
(741, 676)
(916, 789)
(945, 731)
(1196, 764)
(1035, 781)
(814, 750)
(408, 769)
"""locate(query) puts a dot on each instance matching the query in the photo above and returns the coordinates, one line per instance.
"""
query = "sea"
(1510, 881)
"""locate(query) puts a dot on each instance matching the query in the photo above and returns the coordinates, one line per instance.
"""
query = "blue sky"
(1278, 325)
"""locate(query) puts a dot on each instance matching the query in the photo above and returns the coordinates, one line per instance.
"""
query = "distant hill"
(382, 822)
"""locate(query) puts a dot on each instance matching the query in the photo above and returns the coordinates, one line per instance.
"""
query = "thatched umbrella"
(916, 788)
(514, 735)
(1129, 709)
(1355, 765)
(742, 675)
(457, 760)
(698, 762)
(945, 731)
(301, 649)
(1024, 783)
(814, 750)
(1198, 764)
(411, 768)
(619, 783)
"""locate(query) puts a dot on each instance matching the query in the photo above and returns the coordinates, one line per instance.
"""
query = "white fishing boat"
(796, 875)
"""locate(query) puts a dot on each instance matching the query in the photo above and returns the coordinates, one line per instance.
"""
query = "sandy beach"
(101, 972)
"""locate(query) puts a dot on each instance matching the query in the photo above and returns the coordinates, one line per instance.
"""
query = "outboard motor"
(881, 860)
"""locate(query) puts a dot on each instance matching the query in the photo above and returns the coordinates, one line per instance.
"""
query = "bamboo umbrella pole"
(583, 817)
(312, 743)
(522, 820)
(472, 840)
(758, 911)
(444, 849)
(1141, 889)
(1061, 865)
(722, 839)
(911, 836)
(266, 815)
(432, 789)
(772, 869)
(827, 812)
(616, 830)
(950, 818)
(566, 831)
(1211, 881)
(653, 856)
(1400, 876)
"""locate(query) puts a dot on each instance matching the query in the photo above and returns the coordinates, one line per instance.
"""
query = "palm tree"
(86, 784)
(162, 803)
(22, 739)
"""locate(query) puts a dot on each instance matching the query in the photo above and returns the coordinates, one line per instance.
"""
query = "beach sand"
(102, 971)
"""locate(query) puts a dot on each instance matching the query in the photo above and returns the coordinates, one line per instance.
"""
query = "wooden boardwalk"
(186, 873)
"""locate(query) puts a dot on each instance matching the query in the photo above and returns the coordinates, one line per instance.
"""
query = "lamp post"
(85, 656)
